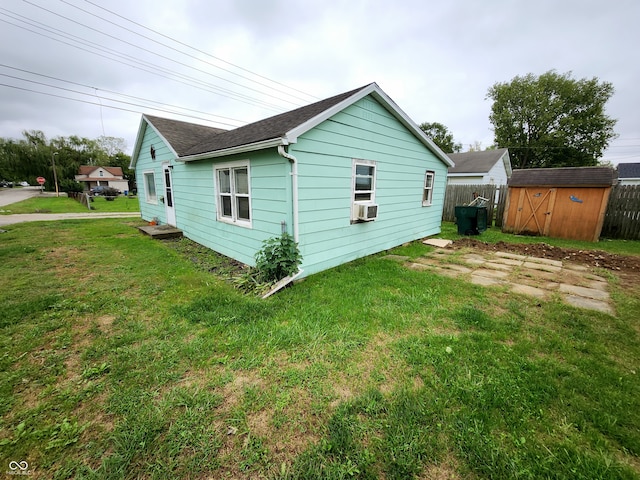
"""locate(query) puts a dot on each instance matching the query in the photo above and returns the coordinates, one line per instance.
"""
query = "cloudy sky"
(91, 67)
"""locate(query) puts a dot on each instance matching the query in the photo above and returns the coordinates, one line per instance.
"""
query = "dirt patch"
(591, 258)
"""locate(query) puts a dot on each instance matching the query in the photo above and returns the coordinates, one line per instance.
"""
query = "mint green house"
(347, 176)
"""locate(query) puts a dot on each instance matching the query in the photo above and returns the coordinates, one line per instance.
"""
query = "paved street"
(13, 195)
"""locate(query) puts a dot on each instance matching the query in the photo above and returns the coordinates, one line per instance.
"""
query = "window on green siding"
(427, 195)
(234, 196)
(150, 187)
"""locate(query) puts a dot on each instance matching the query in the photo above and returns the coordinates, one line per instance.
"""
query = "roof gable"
(629, 170)
(476, 162)
(568, 176)
(191, 142)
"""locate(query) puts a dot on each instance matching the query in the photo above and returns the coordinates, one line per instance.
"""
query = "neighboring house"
(568, 202)
(347, 176)
(93, 176)
(490, 167)
(629, 173)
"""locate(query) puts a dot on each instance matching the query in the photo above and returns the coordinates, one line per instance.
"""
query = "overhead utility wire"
(242, 122)
(237, 96)
(158, 54)
(185, 53)
(100, 104)
(202, 51)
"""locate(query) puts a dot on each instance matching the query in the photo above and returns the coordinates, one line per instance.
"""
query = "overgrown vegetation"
(278, 258)
(125, 357)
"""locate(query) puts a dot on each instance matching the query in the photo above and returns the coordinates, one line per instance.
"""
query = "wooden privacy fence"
(622, 217)
(464, 194)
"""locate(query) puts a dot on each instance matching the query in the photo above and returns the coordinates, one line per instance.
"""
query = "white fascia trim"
(136, 149)
(274, 142)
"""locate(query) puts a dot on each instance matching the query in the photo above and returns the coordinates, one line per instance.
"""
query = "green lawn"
(125, 357)
(69, 205)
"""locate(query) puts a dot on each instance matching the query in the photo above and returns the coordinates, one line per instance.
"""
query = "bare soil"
(593, 258)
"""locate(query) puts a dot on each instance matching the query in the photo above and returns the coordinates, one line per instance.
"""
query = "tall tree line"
(33, 156)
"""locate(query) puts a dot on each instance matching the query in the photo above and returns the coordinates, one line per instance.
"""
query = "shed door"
(535, 209)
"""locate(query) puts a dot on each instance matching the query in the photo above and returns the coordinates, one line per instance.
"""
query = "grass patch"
(69, 205)
(125, 357)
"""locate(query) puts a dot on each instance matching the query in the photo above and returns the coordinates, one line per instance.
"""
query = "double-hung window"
(364, 181)
(150, 187)
(427, 195)
(234, 196)
(363, 187)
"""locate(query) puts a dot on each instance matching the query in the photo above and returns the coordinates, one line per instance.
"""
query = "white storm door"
(168, 196)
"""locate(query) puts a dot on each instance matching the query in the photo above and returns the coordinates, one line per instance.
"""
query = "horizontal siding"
(145, 163)
(365, 131)
(270, 204)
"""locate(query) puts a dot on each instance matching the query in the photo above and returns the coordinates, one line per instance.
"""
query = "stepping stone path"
(537, 277)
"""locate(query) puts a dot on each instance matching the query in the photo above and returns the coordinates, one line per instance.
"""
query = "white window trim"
(354, 202)
(427, 198)
(216, 181)
(152, 200)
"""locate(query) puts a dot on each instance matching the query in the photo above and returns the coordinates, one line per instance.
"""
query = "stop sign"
(41, 180)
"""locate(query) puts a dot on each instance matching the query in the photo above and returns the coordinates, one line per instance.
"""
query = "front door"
(535, 208)
(168, 197)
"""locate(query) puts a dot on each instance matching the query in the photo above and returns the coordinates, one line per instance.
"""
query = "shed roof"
(629, 170)
(475, 162)
(560, 177)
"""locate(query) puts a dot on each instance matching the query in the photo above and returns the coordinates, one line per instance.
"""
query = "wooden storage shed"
(558, 202)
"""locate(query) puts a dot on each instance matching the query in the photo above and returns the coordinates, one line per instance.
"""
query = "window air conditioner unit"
(368, 212)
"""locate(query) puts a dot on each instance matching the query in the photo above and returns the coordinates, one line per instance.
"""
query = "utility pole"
(55, 175)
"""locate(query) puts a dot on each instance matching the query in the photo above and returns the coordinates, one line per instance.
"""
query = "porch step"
(161, 232)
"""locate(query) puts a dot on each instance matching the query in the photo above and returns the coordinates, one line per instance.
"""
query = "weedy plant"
(278, 258)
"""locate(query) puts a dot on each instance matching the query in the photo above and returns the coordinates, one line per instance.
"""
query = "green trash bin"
(471, 220)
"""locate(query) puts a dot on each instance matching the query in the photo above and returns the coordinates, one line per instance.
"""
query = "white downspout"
(294, 186)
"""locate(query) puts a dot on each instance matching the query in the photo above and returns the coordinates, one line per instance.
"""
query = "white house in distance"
(489, 167)
(629, 174)
(92, 176)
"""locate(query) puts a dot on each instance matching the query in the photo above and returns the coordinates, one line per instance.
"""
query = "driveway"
(13, 195)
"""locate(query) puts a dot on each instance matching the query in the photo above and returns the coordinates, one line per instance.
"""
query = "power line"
(124, 60)
(188, 46)
(200, 51)
(98, 104)
(120, 94)
(158, 54)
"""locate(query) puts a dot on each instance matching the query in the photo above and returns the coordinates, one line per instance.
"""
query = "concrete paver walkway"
(537, 277)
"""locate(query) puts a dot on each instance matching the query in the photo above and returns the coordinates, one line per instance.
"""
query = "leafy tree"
(441, 136)
(552, 120)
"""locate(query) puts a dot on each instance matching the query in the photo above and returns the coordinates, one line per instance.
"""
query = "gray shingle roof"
(559, 177)
(267, 129)
(475, 162)
(182, 135)
(629, 170)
